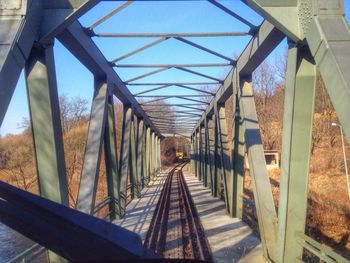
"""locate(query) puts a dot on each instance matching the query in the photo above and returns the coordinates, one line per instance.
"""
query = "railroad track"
(175, 230)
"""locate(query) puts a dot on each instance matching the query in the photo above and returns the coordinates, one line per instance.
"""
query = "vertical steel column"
(193, 169)
(217, 156)
(140, 155)
(152, 154)
(93, 149)
(263, 198)
(297, 135)
(125, 157)
(154, 139)
(224, 154)
(202, 153)
(238, 153)
(148, 155)
(156, 154)
(133, 149)
(144, 157)
(159, 156)
(111, 158)
(198, 164)
(46, 124)
(212, 155)
(207, 181)
(18, 30)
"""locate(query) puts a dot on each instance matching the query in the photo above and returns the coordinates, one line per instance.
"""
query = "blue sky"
(161, 17)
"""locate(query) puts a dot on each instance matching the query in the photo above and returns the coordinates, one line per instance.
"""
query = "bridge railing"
(35, 251)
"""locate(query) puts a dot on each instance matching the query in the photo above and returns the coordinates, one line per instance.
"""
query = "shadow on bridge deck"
(230, 239)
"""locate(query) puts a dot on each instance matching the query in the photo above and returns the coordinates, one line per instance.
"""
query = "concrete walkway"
(230, 239)
(139, 212)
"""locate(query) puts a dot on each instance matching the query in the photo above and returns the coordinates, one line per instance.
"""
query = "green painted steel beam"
(238, 153)
(224, 156)
(46, 124)
(125, 157)
(93, 149)
(197, 153)
(212, 154)
(135, 191)
(144, 156)
(111, 158)
(263, 199)
(259, 47)
(140, 154)
(79, 43)
(328, 36)
(148, 155)
(297, 137)
(207, 177)
(18, 31)
(283, 14)
(59, 14)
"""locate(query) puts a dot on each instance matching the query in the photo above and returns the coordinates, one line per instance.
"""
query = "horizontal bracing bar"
(233, 14)
(76, 40)
(150, 90)
(58, 227)
(187, 123)
(198, 65)
(180, 104)
(173, 125)
(198, 73)
(195, 89)
(109, 15)
(173, 96)
(204, 49)
(172, 83)
(146, 75)
(156, 42)
(173, 35)
(259, 47)
(173, 117)
(197, 101)
(174, 111)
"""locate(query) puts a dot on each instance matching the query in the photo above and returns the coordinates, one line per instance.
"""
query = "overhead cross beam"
(173, 35)
(201, 65)
(109, 15)
(75, 39)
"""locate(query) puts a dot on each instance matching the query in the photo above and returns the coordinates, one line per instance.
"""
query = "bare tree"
(73, 112)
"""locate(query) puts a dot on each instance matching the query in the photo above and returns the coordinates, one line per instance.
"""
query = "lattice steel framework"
(318, 37)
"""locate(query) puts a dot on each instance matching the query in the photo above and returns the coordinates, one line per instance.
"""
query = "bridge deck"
(230, 239)
(139, 212)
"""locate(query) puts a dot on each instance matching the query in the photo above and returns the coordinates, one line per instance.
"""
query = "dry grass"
(328, 213)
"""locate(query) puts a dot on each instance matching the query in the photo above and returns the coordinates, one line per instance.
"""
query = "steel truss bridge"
(318, 38)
